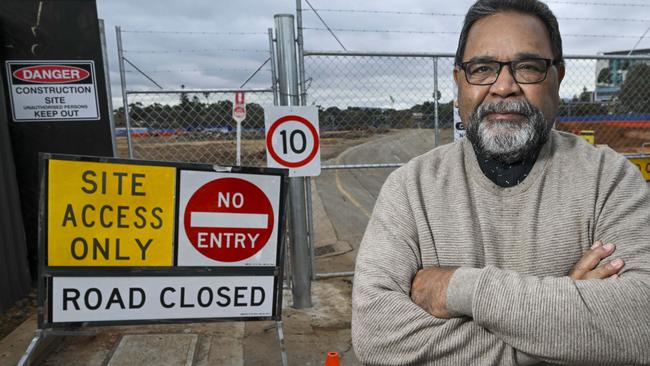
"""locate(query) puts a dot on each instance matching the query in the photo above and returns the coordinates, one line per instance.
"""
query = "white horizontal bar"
(229, 220)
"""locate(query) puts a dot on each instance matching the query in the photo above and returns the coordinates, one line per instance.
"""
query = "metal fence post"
(301, 56)
(274, 78)
(289, 95)
(435, 103)
(303, 101)
(107, 80)
(125, 101)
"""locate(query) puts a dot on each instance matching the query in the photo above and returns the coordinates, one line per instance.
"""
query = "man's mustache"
(522, 107)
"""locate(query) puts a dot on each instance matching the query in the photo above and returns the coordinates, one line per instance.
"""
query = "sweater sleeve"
(387, 327)
(577, 322)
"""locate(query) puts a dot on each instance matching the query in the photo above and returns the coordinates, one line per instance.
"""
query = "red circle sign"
(274, 154)
(228, 219)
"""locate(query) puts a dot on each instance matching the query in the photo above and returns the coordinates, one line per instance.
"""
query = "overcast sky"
(204, 60)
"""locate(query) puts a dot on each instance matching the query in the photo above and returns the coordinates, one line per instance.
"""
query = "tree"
(586, 95)
(605, 76)
(635, 90)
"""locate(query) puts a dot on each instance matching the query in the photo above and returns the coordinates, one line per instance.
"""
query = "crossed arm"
(582, 319)
(429, 287)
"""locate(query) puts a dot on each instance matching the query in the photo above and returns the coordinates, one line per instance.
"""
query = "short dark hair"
(484, 8)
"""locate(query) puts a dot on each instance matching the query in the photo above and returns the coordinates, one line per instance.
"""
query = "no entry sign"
(292, 139)
(228, 220)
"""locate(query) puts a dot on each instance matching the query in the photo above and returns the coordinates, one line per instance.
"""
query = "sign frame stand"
(283, 350)
(46, 329)
(32, 348)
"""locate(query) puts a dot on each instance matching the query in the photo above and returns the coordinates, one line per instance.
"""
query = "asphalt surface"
(349, 195)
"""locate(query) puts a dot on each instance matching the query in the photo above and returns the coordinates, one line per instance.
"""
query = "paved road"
(349, 195)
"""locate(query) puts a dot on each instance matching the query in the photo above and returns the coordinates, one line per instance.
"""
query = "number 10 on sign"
(292, 139)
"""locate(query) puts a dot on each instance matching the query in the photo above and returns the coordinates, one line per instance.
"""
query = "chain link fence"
(405, 100)
(607, 100)
(361, 97)
(193, 126)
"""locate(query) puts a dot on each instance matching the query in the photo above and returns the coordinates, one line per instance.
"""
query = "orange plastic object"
(332, 359)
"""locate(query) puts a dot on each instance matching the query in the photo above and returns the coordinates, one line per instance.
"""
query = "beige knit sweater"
(515, 247)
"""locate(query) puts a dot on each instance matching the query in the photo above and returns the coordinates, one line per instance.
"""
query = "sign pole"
(289, 96)
(238, 143)
(239, 114)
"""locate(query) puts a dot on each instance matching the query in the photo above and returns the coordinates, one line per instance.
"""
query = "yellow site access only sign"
(110, 214)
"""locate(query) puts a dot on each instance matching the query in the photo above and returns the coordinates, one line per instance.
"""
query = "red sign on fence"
(239, 107)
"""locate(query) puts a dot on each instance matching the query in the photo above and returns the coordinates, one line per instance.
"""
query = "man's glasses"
(526, 71)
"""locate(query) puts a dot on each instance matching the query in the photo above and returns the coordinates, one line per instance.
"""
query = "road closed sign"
(228, 219)
(52, 90)
(293, 139)
(95, 299)
(102, 214)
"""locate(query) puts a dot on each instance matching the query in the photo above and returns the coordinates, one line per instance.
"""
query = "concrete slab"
(155, 349)
(222, 348)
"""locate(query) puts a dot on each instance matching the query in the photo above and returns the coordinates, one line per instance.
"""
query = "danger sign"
(52, 90)
(102, 214)
(292, 139)
(239, 107)
(228, 219)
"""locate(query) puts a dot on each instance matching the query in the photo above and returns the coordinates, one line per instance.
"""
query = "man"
(499, 249)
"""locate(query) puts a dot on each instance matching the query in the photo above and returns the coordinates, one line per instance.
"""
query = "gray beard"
(508, 141)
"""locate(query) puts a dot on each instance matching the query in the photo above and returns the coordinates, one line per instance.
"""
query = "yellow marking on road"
(347, 194)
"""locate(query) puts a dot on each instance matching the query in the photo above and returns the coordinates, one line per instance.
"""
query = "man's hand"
(586, 269)
(429, 290)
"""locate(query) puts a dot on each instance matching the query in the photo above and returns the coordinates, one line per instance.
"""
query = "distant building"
(610, 74)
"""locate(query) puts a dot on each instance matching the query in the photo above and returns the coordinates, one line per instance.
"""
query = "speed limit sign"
(292, 139)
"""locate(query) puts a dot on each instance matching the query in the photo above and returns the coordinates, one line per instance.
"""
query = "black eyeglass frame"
(548, 61)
